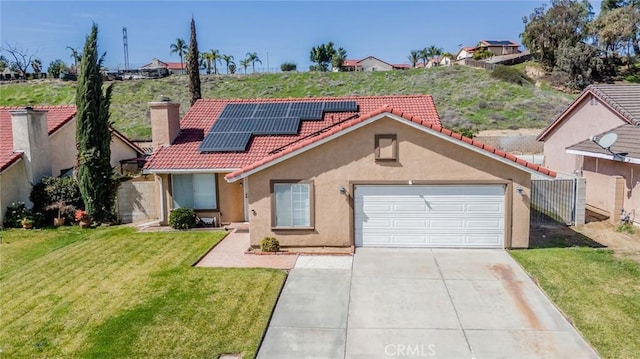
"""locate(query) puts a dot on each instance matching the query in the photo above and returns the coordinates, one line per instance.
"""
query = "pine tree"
(193, 67)
(93, 137)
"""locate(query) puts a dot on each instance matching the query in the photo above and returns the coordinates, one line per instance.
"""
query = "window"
(292, 203)
(197, 191)
(386, 147)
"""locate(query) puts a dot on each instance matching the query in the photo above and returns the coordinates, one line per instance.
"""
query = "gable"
(385, 115)
(423, 156)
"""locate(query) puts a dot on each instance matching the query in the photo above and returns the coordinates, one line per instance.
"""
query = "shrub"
(466, 131)
(15, 213)
(182, 218)
(510, 74)
(51, 194)
(626, 228)
(288, 66)
(270, 244)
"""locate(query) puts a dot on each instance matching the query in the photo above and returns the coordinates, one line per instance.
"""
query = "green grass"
(464, 96)
(115, 293)
(598, 292)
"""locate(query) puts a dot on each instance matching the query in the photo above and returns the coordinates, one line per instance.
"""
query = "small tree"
(93, 138)
(21, 58)
(193, 67)
(288, 66)
(56, 68)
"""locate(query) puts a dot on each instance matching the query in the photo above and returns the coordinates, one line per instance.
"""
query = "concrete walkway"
(230, 253)
(417, 303)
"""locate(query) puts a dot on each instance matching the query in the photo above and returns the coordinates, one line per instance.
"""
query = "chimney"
(31, 137)
(165, 121)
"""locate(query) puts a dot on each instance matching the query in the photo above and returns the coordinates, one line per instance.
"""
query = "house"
(498, 48)
(40, 141)
(445, 61)
(465, 53)
(433, 62)
(371, 63)
(599, 108)
(175, 68)
(567, 145)
(340, 172)
(613, 173)
(502, 47)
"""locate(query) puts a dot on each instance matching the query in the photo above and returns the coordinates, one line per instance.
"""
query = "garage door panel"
(429, 216)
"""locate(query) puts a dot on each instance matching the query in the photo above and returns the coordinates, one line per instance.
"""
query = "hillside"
(465, 97)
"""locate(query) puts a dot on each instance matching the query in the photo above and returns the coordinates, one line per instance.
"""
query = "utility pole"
(125, 42)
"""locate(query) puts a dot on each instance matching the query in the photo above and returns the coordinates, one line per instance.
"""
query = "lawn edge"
(273, 310)
(212, 247)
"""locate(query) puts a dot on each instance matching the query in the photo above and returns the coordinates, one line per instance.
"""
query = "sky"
(277, 31)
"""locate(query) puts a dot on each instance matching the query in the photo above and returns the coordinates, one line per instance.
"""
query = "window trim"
(215, 175)
(312, 211)
(394, 147)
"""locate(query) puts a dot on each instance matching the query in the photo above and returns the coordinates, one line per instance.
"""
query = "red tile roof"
(184, 153)
(390, 109)
(57, 117)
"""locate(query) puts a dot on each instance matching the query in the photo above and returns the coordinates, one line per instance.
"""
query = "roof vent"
(165, 99)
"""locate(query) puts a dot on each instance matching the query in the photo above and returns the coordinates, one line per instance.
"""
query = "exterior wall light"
(520, 190)
(343, 190)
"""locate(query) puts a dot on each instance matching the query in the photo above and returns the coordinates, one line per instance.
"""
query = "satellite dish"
(607, 140)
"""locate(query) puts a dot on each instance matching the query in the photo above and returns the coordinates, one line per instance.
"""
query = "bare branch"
(22, 57)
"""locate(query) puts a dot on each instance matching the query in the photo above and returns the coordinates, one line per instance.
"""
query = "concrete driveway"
(416, 303)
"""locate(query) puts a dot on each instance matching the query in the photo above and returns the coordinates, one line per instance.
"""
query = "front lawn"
(598, 292)
(113, 292)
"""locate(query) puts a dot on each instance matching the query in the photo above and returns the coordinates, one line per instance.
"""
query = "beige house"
(40, 141)
(370, 63)
(569, 146)
(613, 173)
(356, 171)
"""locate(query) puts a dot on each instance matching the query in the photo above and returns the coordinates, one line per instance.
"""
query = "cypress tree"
(193, 67)
(93, 137)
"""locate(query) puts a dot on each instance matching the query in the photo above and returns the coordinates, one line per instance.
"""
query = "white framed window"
(292, 205)
(197, 191)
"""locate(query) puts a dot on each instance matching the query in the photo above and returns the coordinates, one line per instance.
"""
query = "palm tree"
(424, 56)
(253, 58)
(76, 56)
(36, 65)
(213, 56)
(228, 60)
(244, 64)
(434, 51)
(180, 47)
(414, 57)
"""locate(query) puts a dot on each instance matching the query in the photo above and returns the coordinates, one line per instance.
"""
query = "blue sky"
(277, 31)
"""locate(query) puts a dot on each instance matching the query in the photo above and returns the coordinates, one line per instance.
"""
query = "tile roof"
(623, 99)
(396, 111)
(184, 154)
(57, 117)
(628, 142)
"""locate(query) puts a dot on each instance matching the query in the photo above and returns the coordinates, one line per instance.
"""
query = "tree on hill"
(616, 30)
(179, 47)
(433, 51)
(36, 65)
(252, 57)
(482, 53)
(424, 56)
(193, 67)
(21, 58)
(322, 55)
(414, 57)
(228, 61)
(93, 138)
(212, 57)
(76, 56)
(244, 64)
(56, 67)
(337, 60)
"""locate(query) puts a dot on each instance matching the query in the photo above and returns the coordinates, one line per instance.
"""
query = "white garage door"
(429, 216)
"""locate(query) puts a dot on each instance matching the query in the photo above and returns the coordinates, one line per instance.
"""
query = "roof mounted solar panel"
(341, 106)
(233, 125)
(277, 126)
(225, 142)
(238, 110)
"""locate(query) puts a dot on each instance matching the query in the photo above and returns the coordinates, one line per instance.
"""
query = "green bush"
(15, 213)
(510, 74)
(288, 66)
(182, 218)
(626, 228)
(270, 244)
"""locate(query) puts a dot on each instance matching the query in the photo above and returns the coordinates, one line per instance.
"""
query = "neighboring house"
(445, 61)
(613, 174)
(371, 63)
(599, 109)
(465, 53)
(498, 48)
(40, 141)
(502, 47)
(175, 68)
(433, 62)
(340, 172)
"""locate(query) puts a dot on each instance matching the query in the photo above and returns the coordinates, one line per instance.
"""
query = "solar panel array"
(233, 129)
(499, 43)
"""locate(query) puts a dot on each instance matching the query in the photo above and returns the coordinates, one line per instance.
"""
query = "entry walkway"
(230, 253)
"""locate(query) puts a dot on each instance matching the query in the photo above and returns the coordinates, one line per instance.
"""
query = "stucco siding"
(589, 118)
(350, 159)
(370, 64)
(120, 151)
(601, 186)
(14, 187)
(63, 148)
